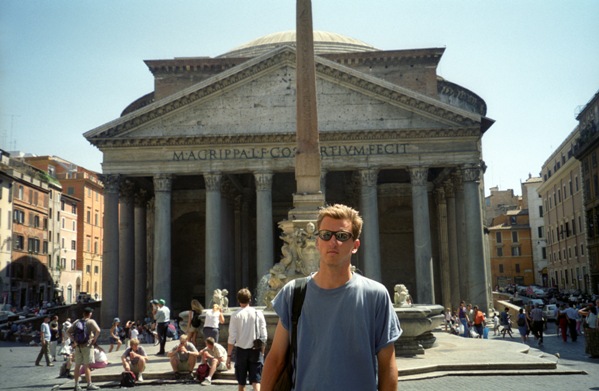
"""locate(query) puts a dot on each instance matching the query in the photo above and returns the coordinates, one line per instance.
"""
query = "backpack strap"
(299, 294)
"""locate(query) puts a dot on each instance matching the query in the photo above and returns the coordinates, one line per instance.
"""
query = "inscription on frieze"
(289, 152)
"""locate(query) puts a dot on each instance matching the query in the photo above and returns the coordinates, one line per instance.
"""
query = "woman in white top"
(214, 318)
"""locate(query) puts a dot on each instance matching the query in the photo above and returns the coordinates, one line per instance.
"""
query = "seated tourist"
(215, 355)
(100, 360)
(134, 359)
(183, 357)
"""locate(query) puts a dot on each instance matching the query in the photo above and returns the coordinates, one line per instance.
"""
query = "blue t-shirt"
(340, 332)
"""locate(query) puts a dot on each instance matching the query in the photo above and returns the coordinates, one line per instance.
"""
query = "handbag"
(285, 380)
(258, 343)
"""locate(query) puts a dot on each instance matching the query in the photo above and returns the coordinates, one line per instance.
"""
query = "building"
(587, 149)
(499, 202)
(71, 276)
(212, 149)
(31, 283)
(564, 217)
(532, 201)
(86, 187)
(511, 249)
(5, 226)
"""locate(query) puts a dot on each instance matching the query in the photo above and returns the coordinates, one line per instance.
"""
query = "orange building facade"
(511, 249)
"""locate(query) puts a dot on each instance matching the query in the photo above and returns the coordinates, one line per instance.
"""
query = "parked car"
(549, 312)
(536, 302)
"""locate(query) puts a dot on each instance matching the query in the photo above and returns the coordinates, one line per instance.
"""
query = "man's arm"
(387, 368)
(275, 361)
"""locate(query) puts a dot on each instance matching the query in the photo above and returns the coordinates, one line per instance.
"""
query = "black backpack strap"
(299, 293)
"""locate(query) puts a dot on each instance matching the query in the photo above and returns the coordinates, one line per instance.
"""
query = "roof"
(324, 42)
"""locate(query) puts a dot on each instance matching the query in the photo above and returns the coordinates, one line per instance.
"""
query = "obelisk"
(308, 197)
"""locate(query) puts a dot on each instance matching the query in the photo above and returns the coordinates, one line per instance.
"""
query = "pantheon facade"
(199, 173)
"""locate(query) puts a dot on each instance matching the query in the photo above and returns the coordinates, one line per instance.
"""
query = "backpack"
(202, 372)
(128, 379)
(195, 320)
(521, 322)
(80, 335)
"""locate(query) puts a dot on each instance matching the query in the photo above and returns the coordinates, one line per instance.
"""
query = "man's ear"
(356, 246)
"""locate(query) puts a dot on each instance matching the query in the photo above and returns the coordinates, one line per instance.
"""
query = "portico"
(198, 175)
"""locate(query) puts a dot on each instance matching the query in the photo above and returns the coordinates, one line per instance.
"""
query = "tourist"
(193, 320)
(538, 323)
(572, 315)
(464, 320)
(54, 336)
(506, 322)
(115, 338)
(214, 318)
(479, 321)
(215, 355)
(247, 325)
(183, 357)
(100, 359)
(523, 325)
(562, 321)
(83, 352)
(45, 336)
(162, 315)
(352, 323)
(134, 359)
(495, 323)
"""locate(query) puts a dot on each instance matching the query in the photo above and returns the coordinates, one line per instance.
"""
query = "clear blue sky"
(69, 66)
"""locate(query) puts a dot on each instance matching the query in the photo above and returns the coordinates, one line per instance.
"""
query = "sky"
(69, 66)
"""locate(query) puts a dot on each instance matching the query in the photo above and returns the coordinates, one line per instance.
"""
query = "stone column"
(264, 234)
(425, 293)
(474, 238)
(162, 237)
(461, 237)
(213, 274)
(454, 268)
(110, 258)
(370, 234)
(141, 267)
(443, 247)
(126, 252)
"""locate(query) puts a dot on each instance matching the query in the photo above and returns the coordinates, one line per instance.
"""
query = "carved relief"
(127, 189)
(449, 189)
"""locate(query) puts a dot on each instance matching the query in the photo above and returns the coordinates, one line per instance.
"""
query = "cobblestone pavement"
(17, 372)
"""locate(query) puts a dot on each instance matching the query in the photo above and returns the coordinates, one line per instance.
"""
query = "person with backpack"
(84, 332)
(348, 317)
(193, 320)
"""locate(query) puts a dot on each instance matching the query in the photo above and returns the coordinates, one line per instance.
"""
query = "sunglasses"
(341, 236)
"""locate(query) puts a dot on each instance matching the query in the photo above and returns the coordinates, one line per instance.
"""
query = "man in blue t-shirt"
(347, 328)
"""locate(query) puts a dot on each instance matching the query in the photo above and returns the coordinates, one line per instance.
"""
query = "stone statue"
(220, 297)
(402, 296)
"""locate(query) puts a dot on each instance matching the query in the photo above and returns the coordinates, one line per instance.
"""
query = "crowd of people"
(571, 321)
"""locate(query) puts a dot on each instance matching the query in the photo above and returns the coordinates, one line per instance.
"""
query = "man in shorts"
(215, 355)
(183, 357)
(84, 352)
(134, 359)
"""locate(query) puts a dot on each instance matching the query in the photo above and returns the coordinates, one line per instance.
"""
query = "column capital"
(369, 177)
(458, 180)
(440, 195)
(163, 182)
(127, 189)
(419, 176)
(141, 198)
(112, 183)
(213, 181)
(449, 188)
(263, 180)
(471, 172)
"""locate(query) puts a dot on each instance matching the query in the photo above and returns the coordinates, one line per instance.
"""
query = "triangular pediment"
(257, 97)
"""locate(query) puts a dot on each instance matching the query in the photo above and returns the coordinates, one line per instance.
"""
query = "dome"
(324, 42)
